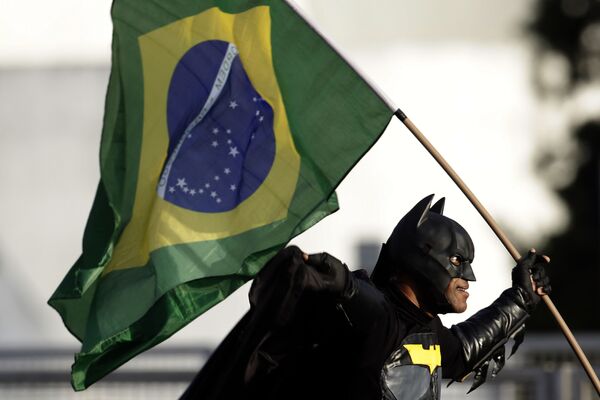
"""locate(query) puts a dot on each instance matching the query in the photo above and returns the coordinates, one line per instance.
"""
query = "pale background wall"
(460, 70)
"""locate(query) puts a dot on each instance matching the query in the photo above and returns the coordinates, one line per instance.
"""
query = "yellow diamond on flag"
(227, 156)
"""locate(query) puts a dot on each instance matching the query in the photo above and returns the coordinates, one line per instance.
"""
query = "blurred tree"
(567, 34)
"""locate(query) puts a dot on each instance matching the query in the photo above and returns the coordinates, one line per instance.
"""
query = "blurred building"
(543, 369)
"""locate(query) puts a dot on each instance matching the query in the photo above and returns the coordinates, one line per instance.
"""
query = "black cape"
(297, 344)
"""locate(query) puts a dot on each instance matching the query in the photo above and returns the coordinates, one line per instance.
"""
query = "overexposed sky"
(60, 32)
(79, 32)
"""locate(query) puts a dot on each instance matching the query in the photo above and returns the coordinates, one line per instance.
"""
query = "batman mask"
(430, 248)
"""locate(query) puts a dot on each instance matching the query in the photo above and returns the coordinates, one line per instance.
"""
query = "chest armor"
(414, 370)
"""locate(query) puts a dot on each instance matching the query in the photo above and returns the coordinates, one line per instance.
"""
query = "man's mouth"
(463, 289)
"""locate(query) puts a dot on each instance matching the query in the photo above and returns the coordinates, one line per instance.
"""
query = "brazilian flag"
(228, 126)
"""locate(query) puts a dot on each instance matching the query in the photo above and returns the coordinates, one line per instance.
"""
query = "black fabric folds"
(238, 358)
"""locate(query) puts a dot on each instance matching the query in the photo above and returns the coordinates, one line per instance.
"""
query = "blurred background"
(508, 92)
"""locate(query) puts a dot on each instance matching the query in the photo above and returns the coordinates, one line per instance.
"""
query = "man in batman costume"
(315, 330)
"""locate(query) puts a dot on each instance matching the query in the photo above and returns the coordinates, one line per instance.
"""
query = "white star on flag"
(227, 171)
(232, 187)
(216, 130)
(181, 182)
(213, 194)
(214, 143)
(171, 189)
(233, 104)
(233, 151)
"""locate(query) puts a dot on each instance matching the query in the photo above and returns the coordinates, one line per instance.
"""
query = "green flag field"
(227, 127)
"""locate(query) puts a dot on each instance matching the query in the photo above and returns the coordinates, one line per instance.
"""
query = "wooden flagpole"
(462, 186)
(504, 239)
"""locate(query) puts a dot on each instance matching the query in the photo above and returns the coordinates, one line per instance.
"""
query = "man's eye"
(456, 260)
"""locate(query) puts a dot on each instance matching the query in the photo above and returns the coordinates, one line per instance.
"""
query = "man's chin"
(460, 308)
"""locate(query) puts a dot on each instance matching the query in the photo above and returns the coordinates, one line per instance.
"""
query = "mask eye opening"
(456, 260)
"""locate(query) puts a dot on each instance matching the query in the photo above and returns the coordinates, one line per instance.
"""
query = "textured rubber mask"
(431, 248)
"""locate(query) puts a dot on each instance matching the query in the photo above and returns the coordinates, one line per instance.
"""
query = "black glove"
(531, 267)
(330, 276)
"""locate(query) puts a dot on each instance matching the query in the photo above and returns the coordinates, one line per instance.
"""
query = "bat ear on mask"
(424, 207)
(416, 216)
(438, 207)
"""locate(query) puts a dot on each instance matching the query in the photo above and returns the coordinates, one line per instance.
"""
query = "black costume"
(317, 331)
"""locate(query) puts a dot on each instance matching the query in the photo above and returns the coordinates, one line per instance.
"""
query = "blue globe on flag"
(221, 139)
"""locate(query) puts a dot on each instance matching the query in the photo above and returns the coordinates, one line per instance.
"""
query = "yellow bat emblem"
(431, 357)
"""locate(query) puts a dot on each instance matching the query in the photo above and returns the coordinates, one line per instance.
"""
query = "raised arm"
(483, 336)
